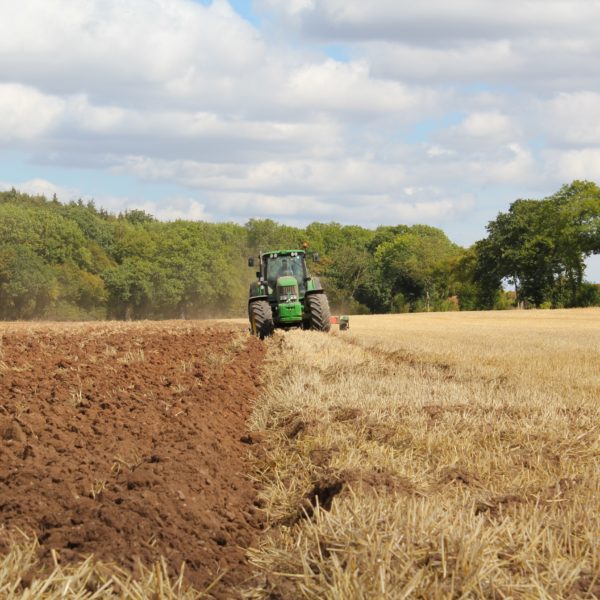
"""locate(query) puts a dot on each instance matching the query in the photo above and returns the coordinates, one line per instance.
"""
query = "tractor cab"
(286, 275)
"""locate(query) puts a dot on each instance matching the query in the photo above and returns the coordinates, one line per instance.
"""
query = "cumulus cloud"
(40, 187)
(168, 209)
(479, 60)
(516, 165)
(532, 43)
(436, 104)
(576, 164)
(433, 21)
(571, 118)
(286, 178)
(349, 87)
(25, 113)
(427, 205)
(144, 48)
(490, 125)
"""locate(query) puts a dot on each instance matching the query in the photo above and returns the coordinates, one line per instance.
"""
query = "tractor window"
(285, 265)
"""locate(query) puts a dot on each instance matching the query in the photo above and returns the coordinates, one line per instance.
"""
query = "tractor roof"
(283, 252)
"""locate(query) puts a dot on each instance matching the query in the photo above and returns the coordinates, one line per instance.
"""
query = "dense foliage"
(540, 247)
(75, 261)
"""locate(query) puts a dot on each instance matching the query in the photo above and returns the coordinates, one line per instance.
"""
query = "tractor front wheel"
(319, 318)
(261, 319)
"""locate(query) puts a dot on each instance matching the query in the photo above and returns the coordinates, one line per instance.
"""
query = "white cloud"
(486, 125)
(572, 118)
(41, 187)
(534, 44)
(477, 60)
(145, 49)
(435, 150)
(291, 177)
(518, 167)
(26, 113)
(426, 205)
(349, 87)
(167, 209)
(437, 102)
(577, 164)
(429, 21)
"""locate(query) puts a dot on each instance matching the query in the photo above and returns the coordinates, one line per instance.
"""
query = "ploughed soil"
(125, 441)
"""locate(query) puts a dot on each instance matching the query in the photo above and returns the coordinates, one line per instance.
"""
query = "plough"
(343, 321)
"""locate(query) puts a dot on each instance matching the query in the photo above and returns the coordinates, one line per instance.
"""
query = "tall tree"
(27, 283)
(540, 246)
(416, 265)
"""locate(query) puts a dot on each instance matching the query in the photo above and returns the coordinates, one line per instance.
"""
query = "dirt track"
(124, 441)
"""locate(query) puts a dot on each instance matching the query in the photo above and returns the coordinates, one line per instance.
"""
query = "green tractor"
(285, 295)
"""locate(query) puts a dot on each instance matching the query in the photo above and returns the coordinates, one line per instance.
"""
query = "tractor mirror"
(315, 257)
(251, 261)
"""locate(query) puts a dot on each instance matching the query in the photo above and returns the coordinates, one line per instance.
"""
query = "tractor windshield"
(290, 265)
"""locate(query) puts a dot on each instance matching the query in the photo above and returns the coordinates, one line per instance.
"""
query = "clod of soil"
(124, 442)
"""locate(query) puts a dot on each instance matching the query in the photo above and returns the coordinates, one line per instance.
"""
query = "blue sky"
(246, 10)
(302, 110)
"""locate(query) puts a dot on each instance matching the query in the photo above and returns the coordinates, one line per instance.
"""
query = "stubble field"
(434, 456)
(415, 456)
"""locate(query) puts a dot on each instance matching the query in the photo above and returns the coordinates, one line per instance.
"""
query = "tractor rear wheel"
(317, 308)
(261, 319)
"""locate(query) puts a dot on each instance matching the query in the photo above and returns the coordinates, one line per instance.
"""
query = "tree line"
(77, 261)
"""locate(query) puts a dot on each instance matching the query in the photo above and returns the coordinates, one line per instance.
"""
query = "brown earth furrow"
(124, 442)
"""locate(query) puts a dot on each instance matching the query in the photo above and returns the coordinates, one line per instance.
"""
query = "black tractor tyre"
(261, 319)
(317, 307)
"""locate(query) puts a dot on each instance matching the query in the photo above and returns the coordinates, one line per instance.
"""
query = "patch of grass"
(77, 398)
(130, 463)
(23, 578)
(217, 360)
(187, 365)
(110, 350)
(133, 356)
(433, 456)
(98, 488)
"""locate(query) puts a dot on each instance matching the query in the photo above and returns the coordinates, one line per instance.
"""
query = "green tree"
(345, 261)
(137, 217)
(416, 264)
(129, 288)
(540, 246)
(266, 234)
(27, 284)
(80, 288)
